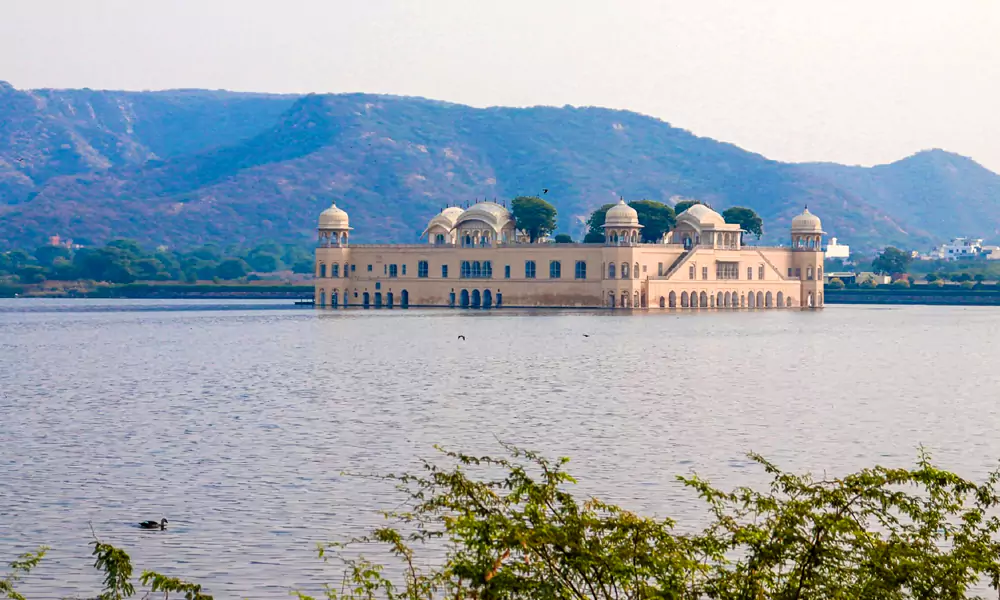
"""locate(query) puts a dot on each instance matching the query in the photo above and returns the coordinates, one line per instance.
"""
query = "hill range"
(186, 167)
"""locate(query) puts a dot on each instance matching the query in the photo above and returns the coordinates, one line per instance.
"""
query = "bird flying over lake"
(461, 337)
(545, 190)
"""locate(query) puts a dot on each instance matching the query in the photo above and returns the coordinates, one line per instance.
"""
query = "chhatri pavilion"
(476, 258)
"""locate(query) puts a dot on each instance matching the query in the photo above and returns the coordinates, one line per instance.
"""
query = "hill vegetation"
(189, 167)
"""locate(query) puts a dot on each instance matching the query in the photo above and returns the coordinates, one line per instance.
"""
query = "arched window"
(672, 299)
(529, 269)
(635, 271)
(488, 269)
(624, 270)
(422, 269)
(487, 299)
(465, 270)
(439, 239)
(322, 270)
(477, 269)
(555, 269)
(581, 269)
(334, 270)
(611, 271)
(468, 240)
(635, 301)
(322, 298)
(809, 273)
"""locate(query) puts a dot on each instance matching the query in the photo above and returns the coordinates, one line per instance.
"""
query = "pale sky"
(851, 81)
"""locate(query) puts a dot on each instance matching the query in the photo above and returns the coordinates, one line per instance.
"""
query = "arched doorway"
(751, 300)
(465, 298)
(809, 300)
(624, 300)
(322, 298)
(768, 299)
(404, 299)
(366, 300)
(611, 299)
(487, 299)
(388, 300)
(499, 299)
(781, 299)
(477, 300)
(635, 301)
(334, 297)
(672, 299)
(663, 302)
(703, 300)
(451, 299)
(684, 299)
(760, 299)
(788, 302)
(719, 300)
(378, 299)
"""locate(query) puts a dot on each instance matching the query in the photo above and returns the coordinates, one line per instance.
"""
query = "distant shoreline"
(200, 291)
(919, 294)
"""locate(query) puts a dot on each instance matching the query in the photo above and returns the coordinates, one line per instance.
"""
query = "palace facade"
(476, 258)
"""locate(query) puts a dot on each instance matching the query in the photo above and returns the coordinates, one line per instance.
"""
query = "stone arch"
(781, 299)
(334, 298)
(760, 299)
(788, 302)
(728, 298)
(611, 299)
(624, 300)
(378, 299)
(625, 270)
(719, 300)
(685, 303)
(322, 298)
(672, 300)
(751, 300)
(464, 296)
(703, 300)
(663, 302)
(636, 303)
(388, 300)
(768, 300)
(487, 299)
(477, 299)
(404, 299)
(366, 300)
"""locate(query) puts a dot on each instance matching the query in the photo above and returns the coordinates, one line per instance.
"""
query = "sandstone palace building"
(475, 258)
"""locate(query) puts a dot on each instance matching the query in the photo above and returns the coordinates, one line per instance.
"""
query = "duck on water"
(153, 524)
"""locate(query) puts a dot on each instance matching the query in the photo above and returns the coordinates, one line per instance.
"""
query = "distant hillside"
(194, 166)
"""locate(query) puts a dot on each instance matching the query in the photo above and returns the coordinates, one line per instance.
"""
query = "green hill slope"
(187, 167)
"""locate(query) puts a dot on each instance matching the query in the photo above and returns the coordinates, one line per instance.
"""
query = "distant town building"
(956, 249)
(477, 258)
(55, 240)
(835, 250)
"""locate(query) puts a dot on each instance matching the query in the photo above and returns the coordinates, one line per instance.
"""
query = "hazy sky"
(853, 81)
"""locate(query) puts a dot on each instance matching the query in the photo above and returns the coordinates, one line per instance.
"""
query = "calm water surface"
(236, 422)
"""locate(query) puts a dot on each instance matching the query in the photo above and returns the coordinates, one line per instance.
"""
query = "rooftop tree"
(746, 218)
(534, 216)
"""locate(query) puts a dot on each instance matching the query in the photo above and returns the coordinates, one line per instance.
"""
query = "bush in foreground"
(508, 527)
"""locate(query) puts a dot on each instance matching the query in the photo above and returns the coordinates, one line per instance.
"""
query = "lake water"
(235, 421)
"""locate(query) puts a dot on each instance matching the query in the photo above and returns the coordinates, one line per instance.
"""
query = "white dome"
(490, 213)
(333, 218)
(807, 223)
(445, 219)
(702, 216)
(621, 215)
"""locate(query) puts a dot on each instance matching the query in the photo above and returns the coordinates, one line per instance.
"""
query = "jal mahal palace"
(476, 258)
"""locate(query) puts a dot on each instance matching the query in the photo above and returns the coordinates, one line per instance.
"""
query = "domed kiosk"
(621, 225)
(441, 229)
(334, 226)
(483, 224)
(699, 225)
